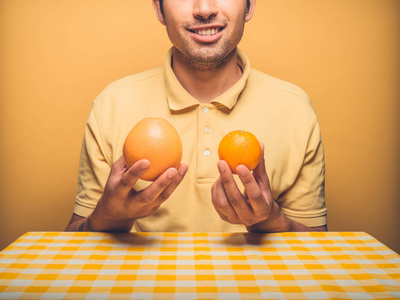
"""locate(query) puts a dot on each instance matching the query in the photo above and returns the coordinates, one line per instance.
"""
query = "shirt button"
(205, 109)
(206, 152)
(207, 129)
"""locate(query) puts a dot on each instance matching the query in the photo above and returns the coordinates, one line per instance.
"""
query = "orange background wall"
(56, 56)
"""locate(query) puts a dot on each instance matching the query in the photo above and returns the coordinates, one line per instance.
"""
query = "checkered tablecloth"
(61, 265)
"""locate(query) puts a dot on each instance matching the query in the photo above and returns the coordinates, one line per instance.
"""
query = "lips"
(206, 34)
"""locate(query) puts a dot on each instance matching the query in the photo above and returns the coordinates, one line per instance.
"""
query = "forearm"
(290, 225)
(97, 223)
(99, 220)
(79, 224)
(279, 222)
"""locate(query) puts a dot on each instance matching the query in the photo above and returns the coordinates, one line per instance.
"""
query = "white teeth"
(207, 31)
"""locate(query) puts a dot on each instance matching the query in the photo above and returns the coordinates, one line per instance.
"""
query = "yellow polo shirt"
(280, 114)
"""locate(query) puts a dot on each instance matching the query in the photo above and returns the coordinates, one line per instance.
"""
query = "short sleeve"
(304, 201)
(93, 167)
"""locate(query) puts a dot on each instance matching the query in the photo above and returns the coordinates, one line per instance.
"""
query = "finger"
(254, 193)
(154, 190)
(260, 173)
(182, 170)
(215, 203)
(131, 176)
(118, 167)
(224, 206)
(232, 191)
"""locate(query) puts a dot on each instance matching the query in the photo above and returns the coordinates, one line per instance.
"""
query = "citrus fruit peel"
(240, 147)
(156, 140)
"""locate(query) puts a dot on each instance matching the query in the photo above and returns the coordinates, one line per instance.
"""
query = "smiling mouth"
(208, 31)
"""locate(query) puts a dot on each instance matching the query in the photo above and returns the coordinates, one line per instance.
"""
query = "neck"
(206, 82)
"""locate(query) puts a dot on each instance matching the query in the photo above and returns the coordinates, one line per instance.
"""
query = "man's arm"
(256, 208)
(284, 224)
(78, 223)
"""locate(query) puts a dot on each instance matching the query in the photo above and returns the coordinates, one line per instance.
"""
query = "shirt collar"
(180, 100)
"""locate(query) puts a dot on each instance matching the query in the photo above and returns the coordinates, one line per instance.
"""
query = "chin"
(210, 56)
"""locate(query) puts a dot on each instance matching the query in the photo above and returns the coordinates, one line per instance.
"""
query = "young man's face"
(205, 31)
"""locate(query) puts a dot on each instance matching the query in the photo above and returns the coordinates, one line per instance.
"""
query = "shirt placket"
(207, 152)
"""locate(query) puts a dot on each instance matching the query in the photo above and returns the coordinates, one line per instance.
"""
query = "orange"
(240, 147)
(158, 141)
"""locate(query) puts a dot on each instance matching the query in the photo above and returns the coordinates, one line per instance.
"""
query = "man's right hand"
(121, 205)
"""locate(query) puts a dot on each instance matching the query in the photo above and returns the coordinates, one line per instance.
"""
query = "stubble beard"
(206, 57)
(203, 61)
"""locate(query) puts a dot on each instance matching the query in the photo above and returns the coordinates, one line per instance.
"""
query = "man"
(205, 89)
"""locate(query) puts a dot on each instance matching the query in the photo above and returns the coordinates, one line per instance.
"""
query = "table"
(318, 265)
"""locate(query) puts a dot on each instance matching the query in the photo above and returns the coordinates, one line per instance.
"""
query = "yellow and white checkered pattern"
(330, 265)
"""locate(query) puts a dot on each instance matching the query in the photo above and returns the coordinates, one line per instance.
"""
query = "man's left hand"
(253, 207)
